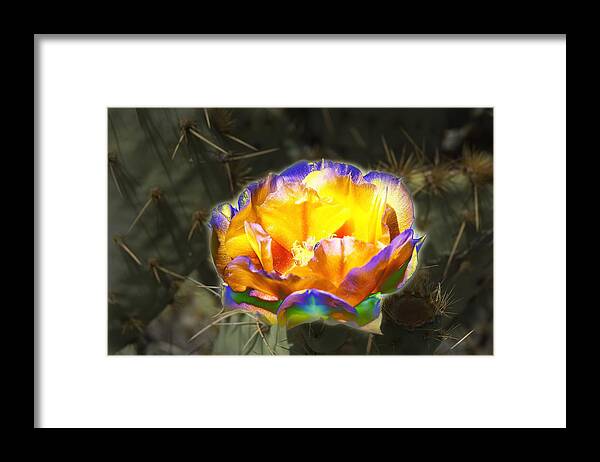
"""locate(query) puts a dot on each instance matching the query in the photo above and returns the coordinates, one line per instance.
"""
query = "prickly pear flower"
(319, 241)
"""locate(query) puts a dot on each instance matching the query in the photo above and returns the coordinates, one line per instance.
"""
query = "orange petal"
(271, 254)
(260, 242)
(335, 257)
(241, 274)
(362, 281)
(391, 223)
(219, 223)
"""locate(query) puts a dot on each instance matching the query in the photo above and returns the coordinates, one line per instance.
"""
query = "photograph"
(300, 231)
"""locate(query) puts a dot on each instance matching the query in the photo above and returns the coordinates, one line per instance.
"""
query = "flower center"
(302, 252)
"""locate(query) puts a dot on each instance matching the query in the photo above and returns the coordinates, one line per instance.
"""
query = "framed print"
(232, 231)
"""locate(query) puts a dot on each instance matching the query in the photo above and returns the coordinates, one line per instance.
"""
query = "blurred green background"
(167, 167)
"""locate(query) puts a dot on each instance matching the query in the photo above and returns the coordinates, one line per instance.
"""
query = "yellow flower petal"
(365, 201)
(398, 196)
(235, 241)
(238, 245)
(295, 213)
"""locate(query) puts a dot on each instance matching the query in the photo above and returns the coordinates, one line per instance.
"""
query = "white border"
(523, 384)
